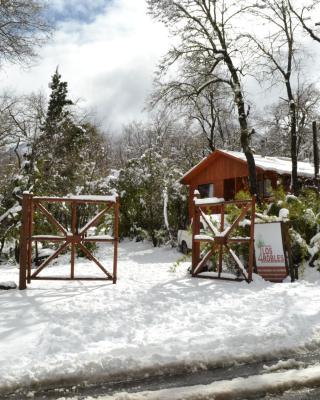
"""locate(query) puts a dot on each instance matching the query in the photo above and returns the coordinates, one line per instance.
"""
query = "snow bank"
(57, 332)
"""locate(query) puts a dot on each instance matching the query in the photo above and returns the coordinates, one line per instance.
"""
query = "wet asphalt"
(199, 377)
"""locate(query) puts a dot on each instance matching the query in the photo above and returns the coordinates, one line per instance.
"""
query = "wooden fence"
(221, 239)
(73, 239)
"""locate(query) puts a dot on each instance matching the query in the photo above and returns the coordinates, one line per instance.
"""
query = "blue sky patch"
(76, 10)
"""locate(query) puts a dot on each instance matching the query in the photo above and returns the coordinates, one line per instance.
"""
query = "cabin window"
(265, 188)
(206, 190)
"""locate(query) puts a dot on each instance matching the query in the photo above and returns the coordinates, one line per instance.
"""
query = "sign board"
(269, 251)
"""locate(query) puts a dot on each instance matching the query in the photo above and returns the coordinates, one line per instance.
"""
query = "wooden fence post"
(25, 240)
(221, 246)
(195, 231)
(251, 244)
(74, 231)
(116, 239)
(30, 231)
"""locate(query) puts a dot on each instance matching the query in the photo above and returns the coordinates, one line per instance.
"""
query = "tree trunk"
(293, 134)
(315, 154)
(244, 139)
(2, 241)
(315, 150)
(244, 132)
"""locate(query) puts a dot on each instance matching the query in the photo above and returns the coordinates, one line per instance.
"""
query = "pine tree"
(57, 111)
(60, 143)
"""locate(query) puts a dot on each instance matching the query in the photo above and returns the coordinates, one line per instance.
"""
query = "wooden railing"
(74, 238)
(220, 239)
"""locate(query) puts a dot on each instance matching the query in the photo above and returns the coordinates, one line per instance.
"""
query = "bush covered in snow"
(153, 203)
(303, 215)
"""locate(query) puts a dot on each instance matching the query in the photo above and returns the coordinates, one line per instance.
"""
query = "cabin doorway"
(229, 189)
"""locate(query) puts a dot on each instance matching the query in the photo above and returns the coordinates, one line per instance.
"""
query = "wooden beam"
(116, 240)
(251, 245)
(88, 225)
(195, 231)
(51, 218)
(239, 263)
(201, 264)
(48, 238)
(74, 232)
(92, 257)
(212, 228)
(61, 278)
(49, 259)
(238, 219)
(30, 229)
(24, 231)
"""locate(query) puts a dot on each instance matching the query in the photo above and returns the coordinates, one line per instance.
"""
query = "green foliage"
(303, 217)
(301, 213)
(243, 195)
(147, 186)
(279, 194)
(67, 155)
(11, 183)
(62, 157)
(299, 247)
(90, 246)
(274, 209)
(184, 258)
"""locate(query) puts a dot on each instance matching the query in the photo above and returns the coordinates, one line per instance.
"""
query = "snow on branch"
(13, 210)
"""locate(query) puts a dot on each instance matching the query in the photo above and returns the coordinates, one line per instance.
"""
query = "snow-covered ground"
(153, 317)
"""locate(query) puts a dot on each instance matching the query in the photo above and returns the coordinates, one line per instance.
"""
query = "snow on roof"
(280, 165)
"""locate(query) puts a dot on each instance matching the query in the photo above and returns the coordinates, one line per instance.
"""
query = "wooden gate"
(221, 239)
(73, 239)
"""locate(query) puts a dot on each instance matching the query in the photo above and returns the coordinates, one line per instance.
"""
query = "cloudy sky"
(107, 51)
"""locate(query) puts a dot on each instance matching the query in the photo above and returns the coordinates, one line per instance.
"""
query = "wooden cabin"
(224, 173)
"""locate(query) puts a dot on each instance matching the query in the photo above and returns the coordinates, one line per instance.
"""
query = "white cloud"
(108, 63)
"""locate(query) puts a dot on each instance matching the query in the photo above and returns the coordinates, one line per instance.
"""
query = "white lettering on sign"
(269, 245)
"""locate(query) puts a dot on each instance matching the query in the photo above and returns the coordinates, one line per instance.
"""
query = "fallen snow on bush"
(154, 316)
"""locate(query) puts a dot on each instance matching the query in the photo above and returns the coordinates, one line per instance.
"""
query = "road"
(203, 377)
(303, 394)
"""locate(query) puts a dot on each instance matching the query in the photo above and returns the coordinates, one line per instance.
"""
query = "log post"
(116, 239)
(30, 231)
(221, 246)
(195, 231)
(315, 153)
(74, 232)
(251, 245)
(25, 240)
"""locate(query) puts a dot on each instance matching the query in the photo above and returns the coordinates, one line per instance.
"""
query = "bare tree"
(280, 53)
(164, 133)
(275, 123)
(210, 48)
(22, 27)
(212, 110)
(7, 102)
(304, 13)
